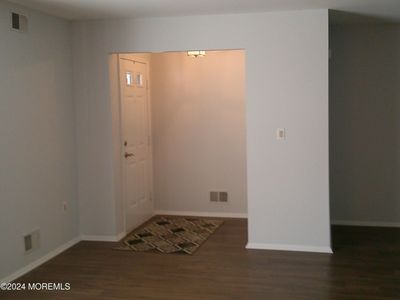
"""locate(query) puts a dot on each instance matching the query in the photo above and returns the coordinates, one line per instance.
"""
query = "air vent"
(28, 242)
(223, 197)
(32, 241)
(19, 22)
(214, 196)
(219, 196)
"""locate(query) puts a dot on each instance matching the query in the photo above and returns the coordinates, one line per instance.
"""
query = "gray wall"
(364, 121)
(37, 148)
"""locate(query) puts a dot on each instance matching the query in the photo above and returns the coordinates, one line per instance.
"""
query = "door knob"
(127, 154)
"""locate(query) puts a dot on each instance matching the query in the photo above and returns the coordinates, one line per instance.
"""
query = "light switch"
(281, 134)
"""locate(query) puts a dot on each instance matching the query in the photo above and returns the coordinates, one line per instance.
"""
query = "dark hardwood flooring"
(365, 265)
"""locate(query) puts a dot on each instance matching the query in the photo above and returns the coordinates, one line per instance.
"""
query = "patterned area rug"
(171, 235)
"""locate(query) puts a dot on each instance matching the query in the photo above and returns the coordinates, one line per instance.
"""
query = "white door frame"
(132, 57)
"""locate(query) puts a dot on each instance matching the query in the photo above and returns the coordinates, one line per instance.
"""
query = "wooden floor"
(365, 265)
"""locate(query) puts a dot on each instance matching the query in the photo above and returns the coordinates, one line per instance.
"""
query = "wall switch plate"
(281, 134)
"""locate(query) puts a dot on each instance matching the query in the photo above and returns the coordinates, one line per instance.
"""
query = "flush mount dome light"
(196, 53)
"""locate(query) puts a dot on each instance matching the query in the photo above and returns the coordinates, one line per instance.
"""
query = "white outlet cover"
(281, 134)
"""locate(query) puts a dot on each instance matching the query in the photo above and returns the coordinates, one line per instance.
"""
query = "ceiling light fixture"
(196, 53)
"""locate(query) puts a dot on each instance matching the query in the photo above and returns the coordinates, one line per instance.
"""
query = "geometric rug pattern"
(171, 235)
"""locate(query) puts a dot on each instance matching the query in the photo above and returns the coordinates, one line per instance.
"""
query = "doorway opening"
(181, 140)
(364, 107)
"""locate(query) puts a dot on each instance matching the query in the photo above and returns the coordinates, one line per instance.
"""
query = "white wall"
(286, 86)
(37, 148)
(365, 107)
(199, 141)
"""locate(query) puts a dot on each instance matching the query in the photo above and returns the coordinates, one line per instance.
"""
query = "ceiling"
(385, 10)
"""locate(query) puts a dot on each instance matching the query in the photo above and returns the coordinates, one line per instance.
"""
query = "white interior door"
(136, 154)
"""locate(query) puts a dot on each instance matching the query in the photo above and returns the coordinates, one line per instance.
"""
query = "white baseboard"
(300, 248)
(40, 261)
(120, 236)
(365, 223)
(103, 238)
(201, 214)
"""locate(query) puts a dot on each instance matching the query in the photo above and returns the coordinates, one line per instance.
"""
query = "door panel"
(137, 183)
